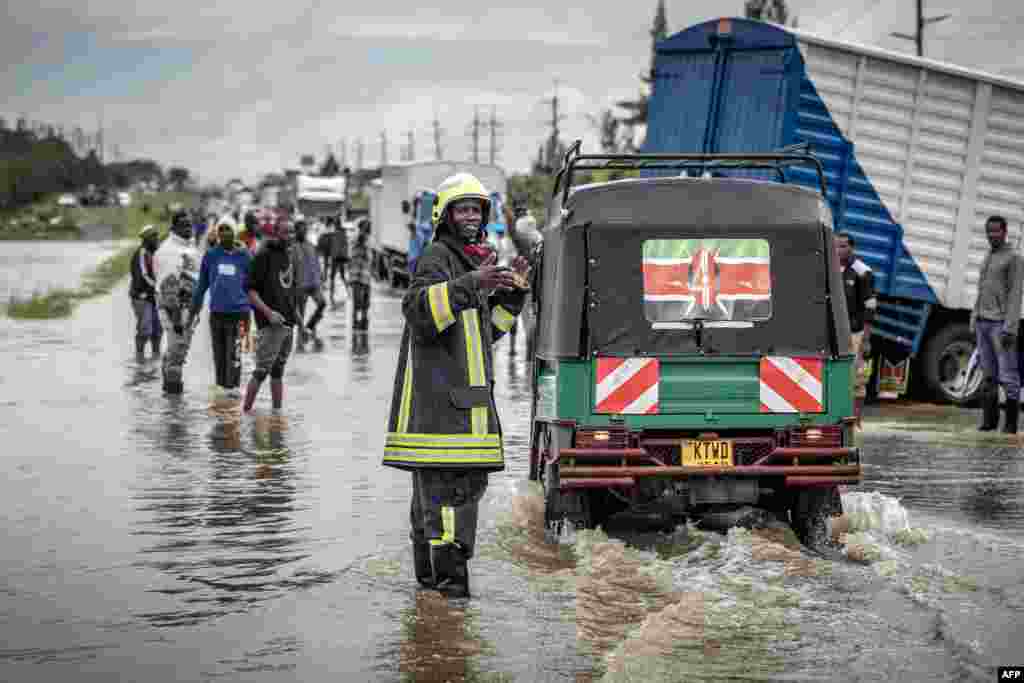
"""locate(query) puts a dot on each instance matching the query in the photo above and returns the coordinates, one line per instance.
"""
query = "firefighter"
(443, 425)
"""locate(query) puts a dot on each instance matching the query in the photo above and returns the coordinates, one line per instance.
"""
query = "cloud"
(228, 88)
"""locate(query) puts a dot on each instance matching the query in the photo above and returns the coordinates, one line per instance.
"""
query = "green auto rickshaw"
(692, 342)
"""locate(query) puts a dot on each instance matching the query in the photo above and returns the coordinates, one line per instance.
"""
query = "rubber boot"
(251, 391)
(421, 562)
(172, 386)
(277, 393)
(1012, 414)
(140, 349)
(155, 341)
(989, 409)
(451, 575)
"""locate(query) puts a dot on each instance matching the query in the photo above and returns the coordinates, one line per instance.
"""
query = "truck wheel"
(944, 365)
(812, 508)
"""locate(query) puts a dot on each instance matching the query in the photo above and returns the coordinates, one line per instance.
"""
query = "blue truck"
(917, 155)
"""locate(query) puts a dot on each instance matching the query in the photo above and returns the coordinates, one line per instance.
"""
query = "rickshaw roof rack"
(791, 155)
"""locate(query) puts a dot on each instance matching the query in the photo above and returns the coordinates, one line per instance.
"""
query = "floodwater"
(27, 268)
(171, 538)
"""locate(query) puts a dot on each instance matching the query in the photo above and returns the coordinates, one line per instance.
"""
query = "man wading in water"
(444, 426)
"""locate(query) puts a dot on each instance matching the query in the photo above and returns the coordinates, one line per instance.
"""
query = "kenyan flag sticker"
(707, 279)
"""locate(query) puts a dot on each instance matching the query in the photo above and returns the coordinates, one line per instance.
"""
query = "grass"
(34, 222)
(59, 303)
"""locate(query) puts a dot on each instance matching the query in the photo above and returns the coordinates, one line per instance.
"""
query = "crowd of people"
(253, 267)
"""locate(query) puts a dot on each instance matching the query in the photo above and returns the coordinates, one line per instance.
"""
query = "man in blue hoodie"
(225, 272)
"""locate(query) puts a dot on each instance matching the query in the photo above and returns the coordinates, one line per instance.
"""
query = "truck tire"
(812, 508)
(944, 362)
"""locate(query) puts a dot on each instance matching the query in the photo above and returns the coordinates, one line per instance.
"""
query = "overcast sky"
(231, 88)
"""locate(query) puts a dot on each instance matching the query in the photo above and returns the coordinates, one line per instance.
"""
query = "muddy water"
(154, 538)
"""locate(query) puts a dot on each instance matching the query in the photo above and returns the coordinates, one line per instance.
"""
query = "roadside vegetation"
(45, 220)
(60, 303)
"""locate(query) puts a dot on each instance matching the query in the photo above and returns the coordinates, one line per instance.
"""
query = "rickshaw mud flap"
(676, 471)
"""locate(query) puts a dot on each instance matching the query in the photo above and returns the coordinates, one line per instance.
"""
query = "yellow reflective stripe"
(406, 404)
(437, 541)
(502, 319)
(434, 450)
(447, 524)
(440, 306)
(451, 440)
(474, 354)
(427, 459)
(475, 363)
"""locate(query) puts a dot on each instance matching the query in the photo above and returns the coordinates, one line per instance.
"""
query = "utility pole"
(383, 148)
(493, 126)
(922, 22)
(410, 150)
(438, 155)
(359, 154)
(476, 135)
(343, 153)
(553, 144)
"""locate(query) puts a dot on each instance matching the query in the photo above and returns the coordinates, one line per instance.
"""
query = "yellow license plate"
(707, 454)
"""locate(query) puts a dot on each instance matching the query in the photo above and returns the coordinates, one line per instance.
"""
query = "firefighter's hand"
(1008, 340)
(490, 277)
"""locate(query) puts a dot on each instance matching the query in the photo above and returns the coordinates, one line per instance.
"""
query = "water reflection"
(226, 537)
(439, 641)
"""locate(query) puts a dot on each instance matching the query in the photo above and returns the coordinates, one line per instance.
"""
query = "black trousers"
(227, 348)
(360, 305)
(337, 268)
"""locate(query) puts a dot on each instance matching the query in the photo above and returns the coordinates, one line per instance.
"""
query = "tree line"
(37, 160)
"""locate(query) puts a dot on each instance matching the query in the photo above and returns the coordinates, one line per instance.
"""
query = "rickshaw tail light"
(602, 438)
(827, 436)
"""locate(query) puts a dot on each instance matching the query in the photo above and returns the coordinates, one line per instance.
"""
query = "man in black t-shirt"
(273, 294)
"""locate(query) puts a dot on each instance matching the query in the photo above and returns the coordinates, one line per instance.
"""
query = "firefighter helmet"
(461, 186)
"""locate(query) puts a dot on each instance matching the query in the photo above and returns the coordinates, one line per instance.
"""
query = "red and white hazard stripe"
(627, 386)
(792, 385)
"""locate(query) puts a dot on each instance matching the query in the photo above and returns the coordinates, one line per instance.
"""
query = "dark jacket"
(861, 303)
(272, 276)
(443, 413)
(143, 276)
(999, 288)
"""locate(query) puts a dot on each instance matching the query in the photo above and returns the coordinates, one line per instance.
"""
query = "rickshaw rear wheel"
(563, 506)
(812, 508)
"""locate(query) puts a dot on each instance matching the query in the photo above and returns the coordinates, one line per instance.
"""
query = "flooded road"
(27, 268)
(165, 539)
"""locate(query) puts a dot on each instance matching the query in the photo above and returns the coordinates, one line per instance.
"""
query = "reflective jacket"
(442, 410)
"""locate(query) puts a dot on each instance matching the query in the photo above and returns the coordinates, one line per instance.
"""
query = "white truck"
(395, 212)
(917, 154)
(320, 196)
